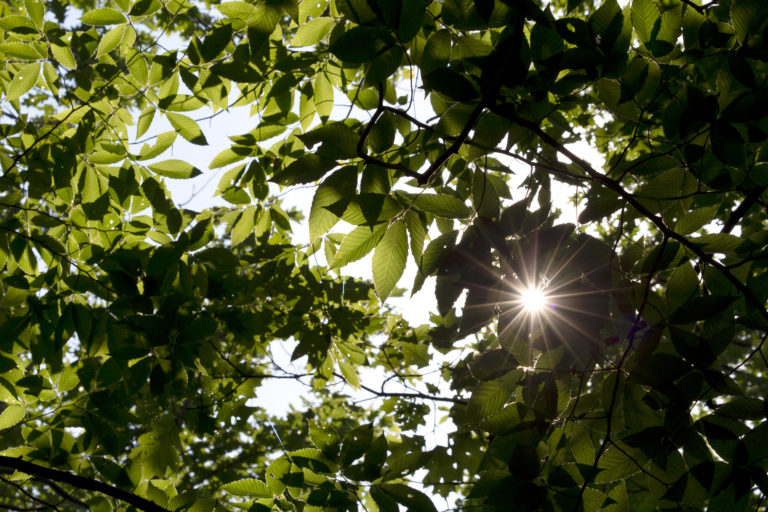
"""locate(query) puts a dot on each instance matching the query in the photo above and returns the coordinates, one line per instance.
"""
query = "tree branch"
(741, 210)
(454, 148)
(364, 136)
(697, 8)
(80, 482)
(422, 396)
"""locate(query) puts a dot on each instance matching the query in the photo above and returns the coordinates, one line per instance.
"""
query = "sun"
(534, 300)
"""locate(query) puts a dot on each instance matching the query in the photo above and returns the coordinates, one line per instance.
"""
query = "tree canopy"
(136, 335)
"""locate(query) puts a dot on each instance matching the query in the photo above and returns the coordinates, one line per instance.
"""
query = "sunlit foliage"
(137, 335)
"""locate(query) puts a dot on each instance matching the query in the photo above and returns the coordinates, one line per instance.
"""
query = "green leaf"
(358, 11)
(700, 308)
(20, 50)
(312, 32)
(695, 220)
(111, 40)
(417, 233)
(174, 168)
(489, 397)
(12, 415)
(437, 52)
(356, 443)
(644, 14)
(145, 120)
(244, 226)
(163, 142)
(229, 156)
(452, 84)
(237, 10)
(330, 200)
(719, 242)
(389, 258)
(187, 128)
(308, 168)
(410, 498)
(23, 81)
(323, 437)
(248, 487)
(360, 44)
(682, 285)
(433, 256)
(442, 205)
(484, 196)
(411, 18)
(103, 16)
(728, 145)
(359, 242)
(323, 95)
(36, 11)
(64, 56)
(747, 16)
(266, 17)
(618, 462)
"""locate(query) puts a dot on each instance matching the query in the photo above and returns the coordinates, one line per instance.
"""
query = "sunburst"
(534, 300)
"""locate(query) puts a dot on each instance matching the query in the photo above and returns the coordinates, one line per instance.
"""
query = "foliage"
(134, 332)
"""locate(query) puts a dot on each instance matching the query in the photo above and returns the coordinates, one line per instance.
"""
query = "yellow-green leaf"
(389, 259)
(442, 205)
(12, 414)
(23, 81)
(248, 487)
(145, 120)
(359, 242)
(244, 226)
(36, 11)
(187, 128)
(176, 169)
(338, 186)
(313, 32)
(237, 10)
(20, 50)
(164, 141)
(64, 56)
(323, 95)
(229, 156)
(110, 40)
(103, 16)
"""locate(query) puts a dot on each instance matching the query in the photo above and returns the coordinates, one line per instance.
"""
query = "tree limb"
(742, 209)
(422, 396)
(453, 148)
(80, 482)
(697, 8)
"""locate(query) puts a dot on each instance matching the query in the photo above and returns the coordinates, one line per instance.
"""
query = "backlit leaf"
(11, 415)
(312, 32)
(103, 16)
(389, 258)
(248, 487)
(175, 168)
(23, 81)
(187, 128)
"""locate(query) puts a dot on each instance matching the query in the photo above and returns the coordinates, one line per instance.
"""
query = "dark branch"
(697, 8)
(364, 136)
(453, 148)
(422, 396)
(742, 209)
(80, 482)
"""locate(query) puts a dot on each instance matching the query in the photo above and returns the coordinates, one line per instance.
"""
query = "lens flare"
(534, 300)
